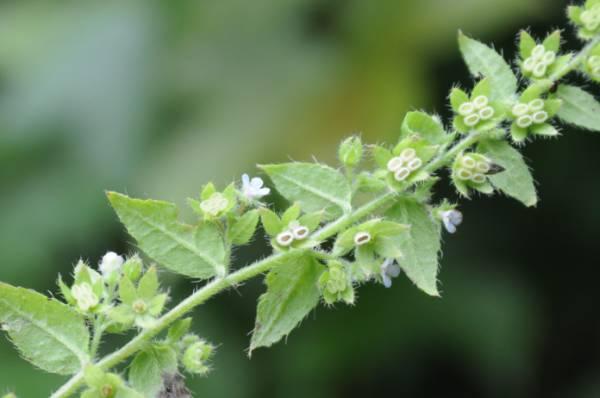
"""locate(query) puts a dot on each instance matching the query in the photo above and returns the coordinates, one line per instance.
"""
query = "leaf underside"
(485, 61)
(420, 245)
(48, 333)
(292, 292)
(314, 186)
(579, 107)
(516, 180)
(195, 251)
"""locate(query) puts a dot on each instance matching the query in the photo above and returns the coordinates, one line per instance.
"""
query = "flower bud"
(132, 268)
(111, 262)
(196, 356)
(335, 285)
(84, 296)
(351, 151)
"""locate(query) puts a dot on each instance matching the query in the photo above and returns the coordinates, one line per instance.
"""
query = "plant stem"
(264, 265)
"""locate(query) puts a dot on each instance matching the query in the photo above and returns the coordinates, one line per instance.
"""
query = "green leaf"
(242, 229)
(291, 214)
(270, 221)
(148, 367)
(526, 44)
(381, 155)
(516, 181)
(127, 292)
(148, 286)
(426, 126)
(48, 333)
(457, 98)
(292, 292)
(420, 245)
(314, 186)
(195, 251)
(579, 107)
(552, 41)
(485, 61)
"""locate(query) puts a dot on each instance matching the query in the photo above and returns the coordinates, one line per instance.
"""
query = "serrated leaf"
(292, 292)
(516, 180)
(420, 245)
(314, 186)
(579, 107)
(426, 126)
(48, 333)
(195, 251)
(485, 61)
(148, 368)
(242, 230)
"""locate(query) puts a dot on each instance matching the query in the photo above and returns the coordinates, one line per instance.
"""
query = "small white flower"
(85, 297)
(110, 263)
(451, 219)
(389, 270)
(253, 188)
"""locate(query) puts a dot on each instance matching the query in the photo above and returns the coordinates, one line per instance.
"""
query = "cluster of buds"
(335, 284)
(587, 18)
(139, 305)
(539, 61)
(475, 111)
(404, 164)
(294, 232)
(373, 242)
(527, 114)
(593, 64)
(530, 115)
(471, 170)
(290, 227)
(197, 355)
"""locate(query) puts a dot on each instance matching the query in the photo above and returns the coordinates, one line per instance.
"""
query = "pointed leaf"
(196, 251)
(420, 245)
(314, 186)
(579, 107)
(516, 180)
(428, 127)
(242, 230)
(485, 61)
(292, 292)
(48, 333)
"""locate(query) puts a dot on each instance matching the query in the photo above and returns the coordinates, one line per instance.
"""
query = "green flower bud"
(335, 285)
(196, 356)
(351, 151)
(132, 268)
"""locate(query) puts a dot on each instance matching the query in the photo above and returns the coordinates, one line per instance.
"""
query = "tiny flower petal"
(252, 189)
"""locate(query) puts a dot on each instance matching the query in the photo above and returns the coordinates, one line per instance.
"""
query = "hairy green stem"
(217, 285)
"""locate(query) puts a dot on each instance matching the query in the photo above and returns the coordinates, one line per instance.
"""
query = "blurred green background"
(155, 98)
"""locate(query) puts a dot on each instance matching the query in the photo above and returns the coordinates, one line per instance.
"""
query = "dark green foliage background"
(155, 98)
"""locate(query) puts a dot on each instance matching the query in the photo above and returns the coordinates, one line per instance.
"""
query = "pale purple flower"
(253, 189)
(451, 220)
(389, 270)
